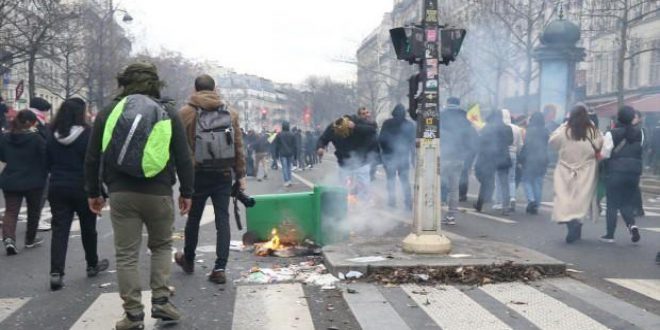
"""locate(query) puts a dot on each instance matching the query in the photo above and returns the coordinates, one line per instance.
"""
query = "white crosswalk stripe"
(649, 288)
(549, 304)
(9, 305)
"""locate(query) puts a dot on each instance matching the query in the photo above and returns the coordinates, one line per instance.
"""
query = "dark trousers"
(620, 198)
(487, 187)
(403, 170)
(13, 201)
(463, 183)
(64, 202)
(220, 197)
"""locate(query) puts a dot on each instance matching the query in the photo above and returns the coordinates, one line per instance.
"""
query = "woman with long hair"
(534, 160)
(66, 148)
(24, 176)
(623, 170)
(578, 143)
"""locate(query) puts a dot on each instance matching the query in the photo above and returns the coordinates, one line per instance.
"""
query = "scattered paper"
(325, 281)
(299, 272)
(206, 249)
(571, 270)
(341, 276)
(353, 274)
(423, 277)
(460, 255)
(105, 285)
(368, 259)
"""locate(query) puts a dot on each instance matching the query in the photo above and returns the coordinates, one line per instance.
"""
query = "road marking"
(9, 305)
(647, 287)
(452, 309)
(272, 307)
(107, 309)
(372, 310)
(303, 180)
(488, 216)
(542, 310)
(604, 206)
(657, 230)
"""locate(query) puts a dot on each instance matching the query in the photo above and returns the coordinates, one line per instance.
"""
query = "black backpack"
(214, 140)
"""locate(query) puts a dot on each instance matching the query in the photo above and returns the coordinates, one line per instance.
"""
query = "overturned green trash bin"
(319, 214)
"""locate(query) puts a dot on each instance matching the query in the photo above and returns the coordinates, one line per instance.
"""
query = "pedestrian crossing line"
(542, 310)
(488, 216)
(657, 230)
(371, 309)
(107, 309)
(271, 307)
(452, 309)
(303, 180)
(647, 287)
(9, 305)
(604, 206)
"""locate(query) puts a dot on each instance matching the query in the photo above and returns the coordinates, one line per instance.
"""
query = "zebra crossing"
(561, 303)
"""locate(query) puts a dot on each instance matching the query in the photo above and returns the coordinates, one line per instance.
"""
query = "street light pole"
(426, 236)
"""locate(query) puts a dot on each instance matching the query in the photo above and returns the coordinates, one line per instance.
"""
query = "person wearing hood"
(24, 176)
(138, 202)
(397, 143)
(458, 140)
(623, 151)
(65, 150)
(286, 148)
(514, 149)
(534, 160)
(493, 159)
(577, 142)
(214, 182)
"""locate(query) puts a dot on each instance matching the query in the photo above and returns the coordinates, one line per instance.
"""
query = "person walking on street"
(578, 142)
(514, 149)
(638, 201)
(23, 151)
(139, 170)
(623, 169)
(205, 115)
(3, 114)
(397, 142)
(493, 160)
(41, 108)
(458, 138)
(65, 150)
(352, 139)
(261, 151)
(286, 147)
(534, 161)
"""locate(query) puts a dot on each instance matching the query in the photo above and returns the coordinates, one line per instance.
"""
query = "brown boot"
(187, 266)
(218, 276)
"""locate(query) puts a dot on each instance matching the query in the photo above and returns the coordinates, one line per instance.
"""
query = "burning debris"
(285, 242)
(311, 272)
(469, 275)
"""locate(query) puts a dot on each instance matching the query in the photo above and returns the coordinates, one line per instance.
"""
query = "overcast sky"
(283, 40)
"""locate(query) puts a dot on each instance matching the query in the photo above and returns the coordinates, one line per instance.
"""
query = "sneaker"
(37, 242)
(530, 208)
(657, 258)
(512, 206)
(10, 246)
(634, 232)
(131, 322)
(43, 226)
(218, 276)
(164, 311)
(55, 281)
(288, 184)
(188, 267)
(451, 221)
(607, 239)
(477, 207)
(573, 231)
(101, 266)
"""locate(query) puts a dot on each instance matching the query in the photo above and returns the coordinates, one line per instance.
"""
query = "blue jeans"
(534, 189)
(286, 168)
(511, 179)
(357, 180)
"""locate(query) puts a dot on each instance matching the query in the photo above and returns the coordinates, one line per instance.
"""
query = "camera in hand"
(242, 197)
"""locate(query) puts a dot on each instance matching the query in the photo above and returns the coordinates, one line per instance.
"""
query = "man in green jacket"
(136, 202)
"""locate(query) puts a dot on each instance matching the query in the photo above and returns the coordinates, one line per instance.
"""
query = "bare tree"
(176, 71)
(619, 17)
(7, 33)
(330, 99)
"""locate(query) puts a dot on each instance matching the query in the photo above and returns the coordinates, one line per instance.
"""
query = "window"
(633, 68)
(655, 63)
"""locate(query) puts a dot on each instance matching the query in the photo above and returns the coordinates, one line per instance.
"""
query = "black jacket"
(628, 159)
(286, 144)
(180, 163)
(457, 135)
(25, 155)
(534, 153)
(66, 159)
(354, 149)
(261, 144)
(397, 140)
(494, 145)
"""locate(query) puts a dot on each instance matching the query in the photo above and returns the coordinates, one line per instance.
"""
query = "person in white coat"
(514, 149)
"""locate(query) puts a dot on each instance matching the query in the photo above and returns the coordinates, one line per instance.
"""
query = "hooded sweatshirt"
(25, 155)
(66, 158)
(517, 132)
(397, 137)
(211, 101)
(286, 143)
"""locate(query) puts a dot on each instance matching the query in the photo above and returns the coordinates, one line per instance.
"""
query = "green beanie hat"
(140, 78)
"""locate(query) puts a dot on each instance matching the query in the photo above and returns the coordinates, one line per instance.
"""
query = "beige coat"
(576, 176)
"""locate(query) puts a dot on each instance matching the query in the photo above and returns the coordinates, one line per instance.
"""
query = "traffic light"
(264, 113)
(450, 44)
(307, 115)
(408, 43)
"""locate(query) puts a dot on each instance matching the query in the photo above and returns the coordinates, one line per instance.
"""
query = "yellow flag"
(474, 116)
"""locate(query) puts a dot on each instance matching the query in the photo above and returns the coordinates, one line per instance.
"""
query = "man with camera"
(216, 143)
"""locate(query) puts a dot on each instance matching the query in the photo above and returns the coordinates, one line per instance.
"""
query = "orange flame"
(352, 199)
(272, 245)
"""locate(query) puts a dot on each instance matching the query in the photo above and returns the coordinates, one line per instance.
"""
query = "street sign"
(19, 90)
